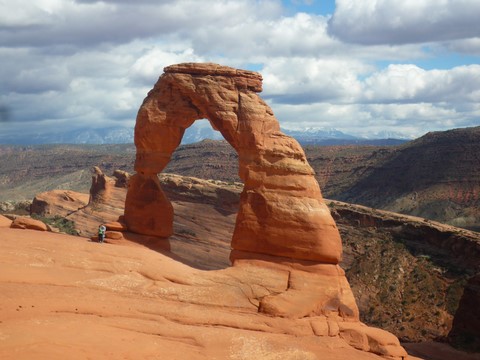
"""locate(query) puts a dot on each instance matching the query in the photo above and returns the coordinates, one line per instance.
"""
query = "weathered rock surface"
(147, 209)
(4, 221)
(281, 210)
(58, 202)
(408, 291)
(407, 273)
(121, 178)
(282, 225)
(28, 223)
(218, 193)
(116, 226)
(65, 295)
(101, 186)
(313, 289)
(436, 176)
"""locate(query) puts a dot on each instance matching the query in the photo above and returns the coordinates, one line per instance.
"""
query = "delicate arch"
(281, 211)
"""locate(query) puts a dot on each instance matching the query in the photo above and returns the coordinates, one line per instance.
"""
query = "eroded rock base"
(70, 297)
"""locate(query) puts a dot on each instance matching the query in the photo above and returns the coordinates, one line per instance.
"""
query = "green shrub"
(62, 224)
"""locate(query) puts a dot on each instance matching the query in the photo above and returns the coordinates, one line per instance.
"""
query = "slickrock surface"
(28, 223)
(58, 202)
(319, 288)
(397, 288)
(65, 296)
(297, 299)
(4, 221)
(281, 210)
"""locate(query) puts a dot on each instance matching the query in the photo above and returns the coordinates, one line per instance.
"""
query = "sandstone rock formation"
(58, 202)
(101, 186)
(4, 221)
(415, 310)
(283, 226)
(281, 213)
(28, 223)
(121, 178)
(106, 202)
(64, 295)
(204, 223)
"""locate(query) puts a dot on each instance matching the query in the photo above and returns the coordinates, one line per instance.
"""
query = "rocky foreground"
(133, 289)
(136, 297)
(67, 295)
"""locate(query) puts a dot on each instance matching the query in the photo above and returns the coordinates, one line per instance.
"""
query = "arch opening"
(205, 202)
(200, 130)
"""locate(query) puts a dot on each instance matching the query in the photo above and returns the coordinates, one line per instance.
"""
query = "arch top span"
(251, 79)
(281, 213)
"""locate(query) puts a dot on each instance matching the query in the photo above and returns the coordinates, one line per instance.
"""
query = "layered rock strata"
(283, 224)
(281, 211)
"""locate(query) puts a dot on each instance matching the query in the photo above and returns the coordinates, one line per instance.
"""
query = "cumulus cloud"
(406, 120)
(79, 63)
(407, 21)
(341, 80)
(409, 83)
(89, 23)
(150, 64)
(399, 99)
(311, 80)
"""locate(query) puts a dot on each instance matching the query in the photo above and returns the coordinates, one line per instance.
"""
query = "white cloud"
(89, 23)
(150, 64)
(90, 63)
(310, 80)
(410, 120)
(407, 21)
(401, 98)
(409, 83)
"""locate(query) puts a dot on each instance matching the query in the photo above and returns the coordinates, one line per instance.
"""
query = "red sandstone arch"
(281, 212)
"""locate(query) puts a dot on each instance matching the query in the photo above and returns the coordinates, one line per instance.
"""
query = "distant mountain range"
(336, 137)
(200, 130)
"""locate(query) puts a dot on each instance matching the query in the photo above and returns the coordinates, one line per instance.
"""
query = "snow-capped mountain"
(388, 135)
(79, 136)
(200, 130)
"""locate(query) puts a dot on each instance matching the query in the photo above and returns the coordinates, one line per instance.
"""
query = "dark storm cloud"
(4, 113)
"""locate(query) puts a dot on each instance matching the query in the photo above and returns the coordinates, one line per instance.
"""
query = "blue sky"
(363, 67)
(320, 7)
